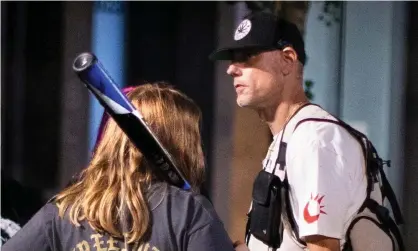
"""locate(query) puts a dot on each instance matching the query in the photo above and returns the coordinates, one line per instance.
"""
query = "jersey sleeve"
(319, 180)
(206, 230)
(210, 237)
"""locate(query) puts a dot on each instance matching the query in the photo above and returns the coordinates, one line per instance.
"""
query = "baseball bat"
(92, 73)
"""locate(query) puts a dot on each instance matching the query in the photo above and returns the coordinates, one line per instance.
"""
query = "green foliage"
(308, 89)
(331, 12)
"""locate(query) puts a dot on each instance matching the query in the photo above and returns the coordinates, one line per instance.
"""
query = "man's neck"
(277, 116)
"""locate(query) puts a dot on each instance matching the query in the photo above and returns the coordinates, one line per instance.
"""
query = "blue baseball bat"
(92, 73)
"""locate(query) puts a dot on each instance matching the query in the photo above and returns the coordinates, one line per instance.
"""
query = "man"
(324, 164)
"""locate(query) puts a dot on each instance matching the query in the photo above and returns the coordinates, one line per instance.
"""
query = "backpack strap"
(377, 168)
(383, 215)
(374, 167)
(357, 135)
(388, 192)
(287, 215)
(348, 245)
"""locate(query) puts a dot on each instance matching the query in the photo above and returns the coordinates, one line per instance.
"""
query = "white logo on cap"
(243, 29)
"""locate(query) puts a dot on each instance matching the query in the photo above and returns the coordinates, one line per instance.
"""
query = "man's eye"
(244, 56)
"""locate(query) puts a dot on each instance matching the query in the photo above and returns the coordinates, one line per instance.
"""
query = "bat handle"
(84, 61)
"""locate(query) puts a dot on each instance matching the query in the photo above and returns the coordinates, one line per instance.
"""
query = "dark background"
(165, 41)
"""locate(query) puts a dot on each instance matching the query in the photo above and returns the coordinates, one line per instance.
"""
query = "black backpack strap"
(360, 137)
(247, 228)
(374, 166)
(288, 214)
(386, 224)
(348, 245)
(388, 192)
(383, 215)
(356, 134)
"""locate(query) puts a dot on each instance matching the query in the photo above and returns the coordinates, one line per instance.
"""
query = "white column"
(323, 49)
(373, 78)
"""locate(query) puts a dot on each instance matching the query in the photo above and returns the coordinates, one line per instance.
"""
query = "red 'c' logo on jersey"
(314, 204)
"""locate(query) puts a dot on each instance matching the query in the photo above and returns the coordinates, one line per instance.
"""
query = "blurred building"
(361, 61)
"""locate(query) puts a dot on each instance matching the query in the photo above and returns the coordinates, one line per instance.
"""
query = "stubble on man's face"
(259, 86)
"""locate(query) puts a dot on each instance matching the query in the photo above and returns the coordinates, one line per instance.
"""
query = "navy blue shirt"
(181, 220)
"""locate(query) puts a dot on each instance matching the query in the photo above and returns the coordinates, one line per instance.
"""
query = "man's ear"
(290, 55)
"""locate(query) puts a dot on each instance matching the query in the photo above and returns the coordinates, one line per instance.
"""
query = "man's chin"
(243, 103)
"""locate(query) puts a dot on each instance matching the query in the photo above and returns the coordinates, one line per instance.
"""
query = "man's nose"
(233, 70)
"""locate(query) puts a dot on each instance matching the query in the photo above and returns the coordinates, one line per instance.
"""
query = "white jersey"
(326, 174)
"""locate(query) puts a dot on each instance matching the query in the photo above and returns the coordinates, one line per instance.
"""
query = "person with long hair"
(118, 203)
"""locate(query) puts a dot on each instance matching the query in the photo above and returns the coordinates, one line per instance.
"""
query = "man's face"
(257, 76)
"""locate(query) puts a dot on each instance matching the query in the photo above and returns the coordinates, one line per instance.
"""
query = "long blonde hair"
(118, 176)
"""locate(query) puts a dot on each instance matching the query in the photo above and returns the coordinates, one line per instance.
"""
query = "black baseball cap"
(262, 31)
